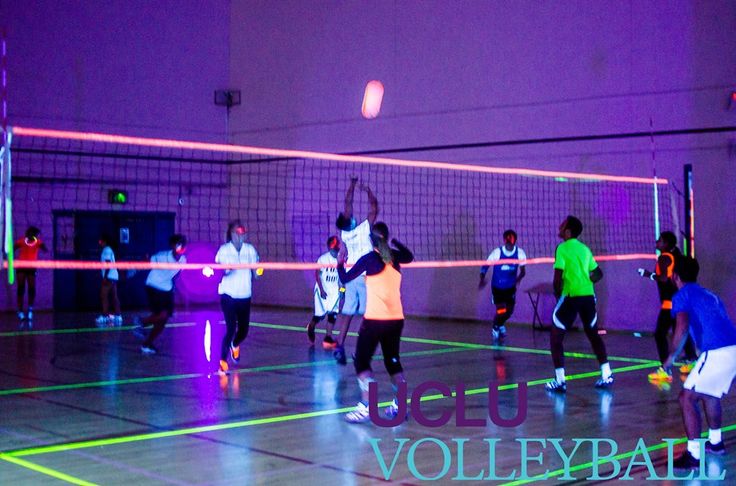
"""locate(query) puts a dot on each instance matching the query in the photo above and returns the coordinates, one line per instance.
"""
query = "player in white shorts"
(327, 295)
(701, 313)
(356, 240)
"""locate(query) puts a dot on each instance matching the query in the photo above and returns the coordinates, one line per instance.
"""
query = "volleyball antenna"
(6, 203)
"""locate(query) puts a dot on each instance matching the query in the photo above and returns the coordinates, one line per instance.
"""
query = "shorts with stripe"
(568, 308)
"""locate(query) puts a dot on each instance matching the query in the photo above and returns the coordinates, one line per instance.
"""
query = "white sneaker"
(359, 415)
(21, 316)
(101, 320)
(118, 320)
(392, 410)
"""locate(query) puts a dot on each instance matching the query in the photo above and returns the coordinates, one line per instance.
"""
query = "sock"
(560, 375)
(693, 447)
(606, 370)
(714, 436)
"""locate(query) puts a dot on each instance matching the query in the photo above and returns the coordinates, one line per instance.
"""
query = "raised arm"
(402, 253)
(349, 196)
(373, 201)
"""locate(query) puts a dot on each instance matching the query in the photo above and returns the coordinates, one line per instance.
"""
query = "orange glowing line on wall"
(96, 265)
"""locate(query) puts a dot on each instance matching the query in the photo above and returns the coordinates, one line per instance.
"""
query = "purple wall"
(490, 71)
(453, 72)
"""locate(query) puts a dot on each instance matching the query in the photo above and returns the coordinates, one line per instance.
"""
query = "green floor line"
(260, 421)
(624, 455)
(84, 330)
(187, 376)
(468, 345)
(45, 470)
(302, 329)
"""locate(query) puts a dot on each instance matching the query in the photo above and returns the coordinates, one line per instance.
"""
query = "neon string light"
(97, 265)
(275, 419)
(243, 149)
(82, 330)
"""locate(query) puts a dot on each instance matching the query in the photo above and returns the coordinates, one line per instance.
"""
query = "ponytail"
(379, 238)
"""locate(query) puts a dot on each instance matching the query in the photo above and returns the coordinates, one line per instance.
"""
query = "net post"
(689, 212)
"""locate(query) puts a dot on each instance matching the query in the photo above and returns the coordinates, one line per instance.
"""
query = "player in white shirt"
(235, 291)
(327, 295)
(356, 240)
(109, 286)
(504, 281)
(160, 291)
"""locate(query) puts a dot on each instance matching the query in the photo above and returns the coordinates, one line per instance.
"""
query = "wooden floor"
(81, 405)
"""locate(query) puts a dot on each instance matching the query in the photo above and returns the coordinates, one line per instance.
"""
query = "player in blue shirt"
(702, 315)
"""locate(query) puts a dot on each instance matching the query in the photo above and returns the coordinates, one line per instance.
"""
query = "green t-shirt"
(576, 262)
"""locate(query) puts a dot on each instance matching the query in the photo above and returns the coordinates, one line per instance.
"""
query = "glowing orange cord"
(96, 265)
(242, 149)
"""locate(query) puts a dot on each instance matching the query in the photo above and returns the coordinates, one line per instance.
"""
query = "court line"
(45, 470)
(470, 345)
(269, 420)
(83, 330)
(186, 376)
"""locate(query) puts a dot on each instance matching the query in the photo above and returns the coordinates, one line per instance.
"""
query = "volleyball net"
(449, 214)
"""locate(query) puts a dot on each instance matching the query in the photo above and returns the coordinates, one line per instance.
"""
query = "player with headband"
(160, 290)
(384, 316)
(357, 242)
(663, 275)
(327, 295)
(235, 291)
(505, 280)
(28, 248)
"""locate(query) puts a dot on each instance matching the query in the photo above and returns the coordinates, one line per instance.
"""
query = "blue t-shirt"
(710, 326)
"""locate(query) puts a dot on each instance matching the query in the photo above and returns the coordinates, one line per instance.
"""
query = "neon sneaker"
(604, 382)
(29, 316)
(117, 320)
(717, 449)
(686, 461)
(329, 343)
(148, 349)
(392, 410)
(235, 353)
(660, 375)
(359, 415)
(556, 386)
(21, 316)
(310, 331)
(101, 320)
(501, 331)
(687, 367)
(224, 368)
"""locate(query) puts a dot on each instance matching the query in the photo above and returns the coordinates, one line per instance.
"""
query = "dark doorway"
(135, 237)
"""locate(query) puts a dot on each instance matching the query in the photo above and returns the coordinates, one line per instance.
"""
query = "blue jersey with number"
(504, 274)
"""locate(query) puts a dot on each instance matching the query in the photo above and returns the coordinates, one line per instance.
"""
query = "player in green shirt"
(575, 273)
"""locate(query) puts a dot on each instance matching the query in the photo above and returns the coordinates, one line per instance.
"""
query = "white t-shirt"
(328, 276)
(496, 255)
(109, 256)
(162, 279)
(358, 241)
(236, 283)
